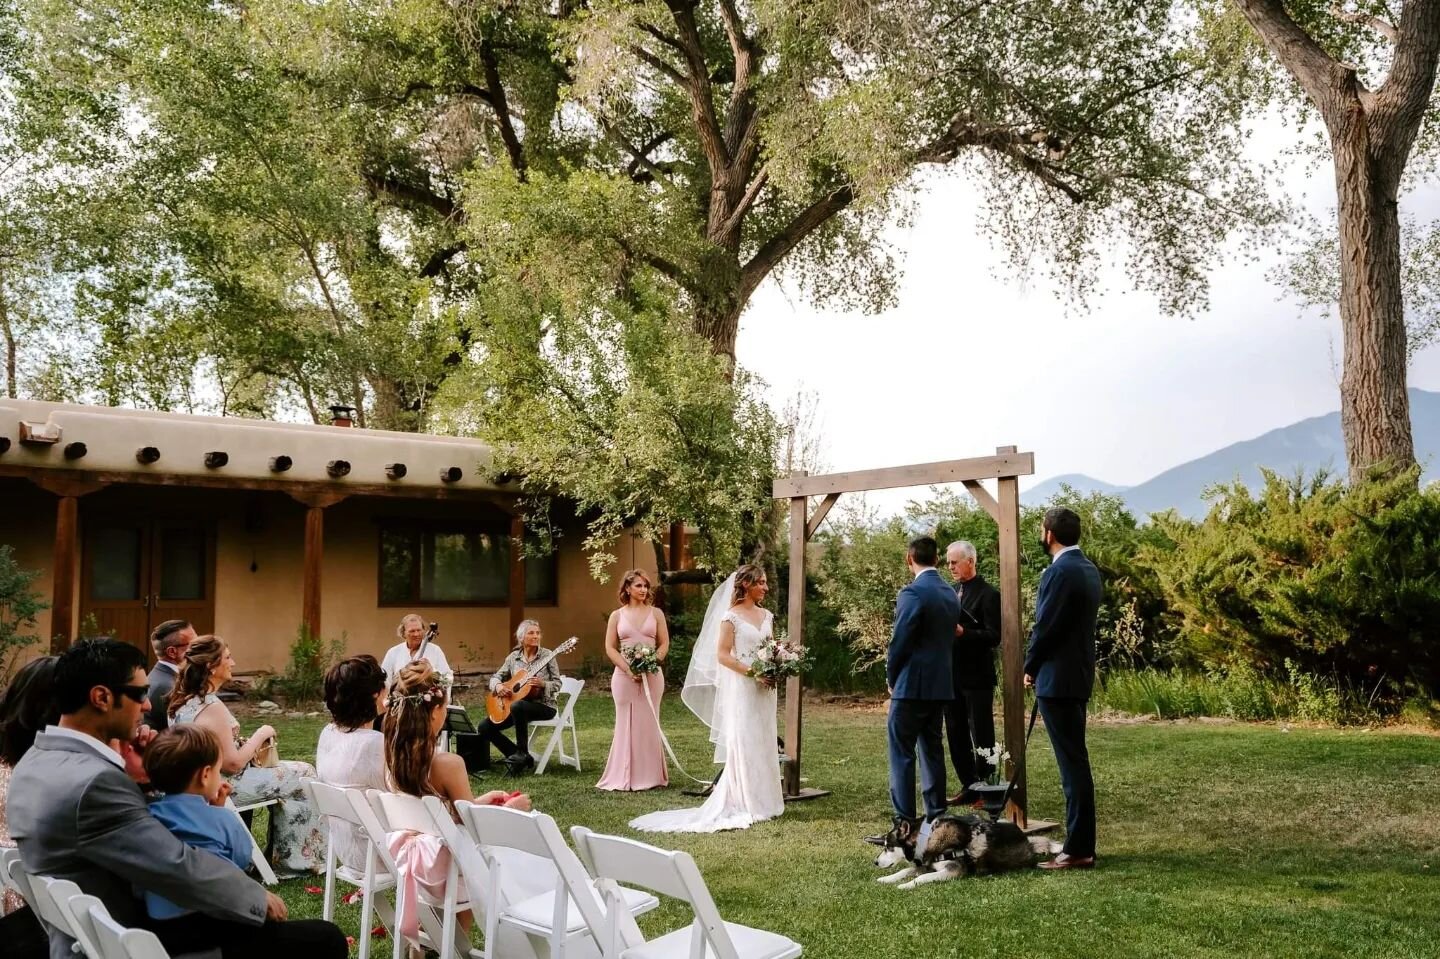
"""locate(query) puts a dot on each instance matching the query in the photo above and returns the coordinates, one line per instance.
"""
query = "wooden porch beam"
(67, 549)
(819, 516)
(1012, 653)
(313, 566)
(795, 686)
(517, 573)
(920, 474)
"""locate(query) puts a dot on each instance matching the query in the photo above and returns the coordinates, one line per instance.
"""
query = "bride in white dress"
(738, 708)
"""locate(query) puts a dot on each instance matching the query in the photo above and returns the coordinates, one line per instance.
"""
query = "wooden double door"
(137, 572)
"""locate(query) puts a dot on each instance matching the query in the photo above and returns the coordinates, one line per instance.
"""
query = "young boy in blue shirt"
(183, 762)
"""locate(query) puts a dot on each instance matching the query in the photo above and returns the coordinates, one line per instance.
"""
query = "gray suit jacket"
(162, 680)
(76, 816)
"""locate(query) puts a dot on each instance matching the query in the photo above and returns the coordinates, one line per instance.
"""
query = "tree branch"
(1296, 50)
(660, 65)
(746, 202)
(778, 246)
(1380, 25)
(1405, 94)
(502, 109)
(413, 196)
(702, 101)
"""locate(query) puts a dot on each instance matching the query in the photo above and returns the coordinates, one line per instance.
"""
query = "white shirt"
(1063, 552)
(399, 655)
(102, 748)
(924, 570)
(168, 665)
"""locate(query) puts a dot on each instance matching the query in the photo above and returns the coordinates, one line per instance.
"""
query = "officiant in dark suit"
(970, 716)
(919, 674)
(1060, 664)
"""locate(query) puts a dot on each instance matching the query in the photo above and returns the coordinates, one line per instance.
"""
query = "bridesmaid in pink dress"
(637, 757)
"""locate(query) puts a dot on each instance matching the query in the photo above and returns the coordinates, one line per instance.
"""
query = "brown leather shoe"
(1067, 861)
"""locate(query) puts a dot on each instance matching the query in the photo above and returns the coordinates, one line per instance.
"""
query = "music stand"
(458, 721)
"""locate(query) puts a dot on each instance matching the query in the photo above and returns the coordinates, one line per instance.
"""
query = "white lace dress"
(350, 759)
(748, 790)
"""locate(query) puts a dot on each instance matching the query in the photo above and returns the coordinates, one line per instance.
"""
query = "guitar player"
(534, 701)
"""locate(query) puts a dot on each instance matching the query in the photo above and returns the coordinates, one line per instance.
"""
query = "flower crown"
(435, 693)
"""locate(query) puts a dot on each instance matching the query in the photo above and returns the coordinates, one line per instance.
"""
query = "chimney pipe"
(342, 415)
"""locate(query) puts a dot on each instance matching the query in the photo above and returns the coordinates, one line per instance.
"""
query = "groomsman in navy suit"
(918, 673)
(1060, 664)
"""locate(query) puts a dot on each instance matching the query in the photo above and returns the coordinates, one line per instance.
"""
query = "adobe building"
(252, 529)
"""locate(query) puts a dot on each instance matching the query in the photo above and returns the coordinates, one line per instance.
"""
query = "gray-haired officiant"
(970, 717)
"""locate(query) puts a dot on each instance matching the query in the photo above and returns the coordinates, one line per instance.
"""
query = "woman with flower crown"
(636, 634)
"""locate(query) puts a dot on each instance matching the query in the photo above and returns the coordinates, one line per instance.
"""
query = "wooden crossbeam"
(983, 497)
(919, 474)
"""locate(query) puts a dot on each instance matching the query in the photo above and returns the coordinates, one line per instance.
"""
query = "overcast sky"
(1119, 393)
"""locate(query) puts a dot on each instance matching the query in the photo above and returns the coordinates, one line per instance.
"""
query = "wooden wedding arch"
(1006, 467)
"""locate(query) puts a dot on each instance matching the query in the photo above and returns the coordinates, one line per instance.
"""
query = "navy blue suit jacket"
(1061, 654)
(918, 664)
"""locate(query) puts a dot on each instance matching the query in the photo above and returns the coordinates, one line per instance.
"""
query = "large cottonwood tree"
(1369, 71)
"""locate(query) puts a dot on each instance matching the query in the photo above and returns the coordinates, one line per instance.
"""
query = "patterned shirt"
(517, 661)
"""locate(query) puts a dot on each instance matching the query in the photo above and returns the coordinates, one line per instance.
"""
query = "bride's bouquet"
(641, 659)
(777, 658)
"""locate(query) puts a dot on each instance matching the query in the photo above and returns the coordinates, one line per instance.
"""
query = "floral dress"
(10, 899)
(299, 842)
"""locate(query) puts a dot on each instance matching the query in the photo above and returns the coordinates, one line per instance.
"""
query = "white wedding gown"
(749, 788)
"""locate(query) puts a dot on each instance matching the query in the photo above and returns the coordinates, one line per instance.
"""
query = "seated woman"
(299, 845)
(27, 706)
(351, 754)
(535, 701)
(414, 714)
(411, 632)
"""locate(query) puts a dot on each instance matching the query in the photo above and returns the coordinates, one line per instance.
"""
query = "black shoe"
(519, 764)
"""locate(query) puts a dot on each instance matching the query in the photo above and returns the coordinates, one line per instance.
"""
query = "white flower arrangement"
(995, 757)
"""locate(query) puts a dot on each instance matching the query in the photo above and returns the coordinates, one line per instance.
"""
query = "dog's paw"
(909, 885)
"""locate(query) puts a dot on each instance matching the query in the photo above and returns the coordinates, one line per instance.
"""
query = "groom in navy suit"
(1060, 664)
(918, 673)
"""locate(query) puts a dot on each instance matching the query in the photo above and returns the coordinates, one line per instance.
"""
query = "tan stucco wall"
(27, 524)
(258, 610)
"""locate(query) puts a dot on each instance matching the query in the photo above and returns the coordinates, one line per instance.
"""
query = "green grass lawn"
(1215, 840)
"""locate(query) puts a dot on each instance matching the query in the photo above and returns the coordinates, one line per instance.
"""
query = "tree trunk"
(1374, 407)
(11, 388)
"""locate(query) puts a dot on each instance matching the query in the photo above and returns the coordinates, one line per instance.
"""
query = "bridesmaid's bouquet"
(777, 658)
(641, 659)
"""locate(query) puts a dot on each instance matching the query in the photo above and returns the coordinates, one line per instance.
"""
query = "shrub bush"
(19, 607)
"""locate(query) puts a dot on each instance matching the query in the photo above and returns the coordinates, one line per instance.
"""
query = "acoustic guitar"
(497, 707)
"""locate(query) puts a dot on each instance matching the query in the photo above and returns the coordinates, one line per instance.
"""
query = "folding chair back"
(619, 860)
(117, 942)
(337, 806)
(13, 874)
(52, 904)
(563, 721)
(398, 812)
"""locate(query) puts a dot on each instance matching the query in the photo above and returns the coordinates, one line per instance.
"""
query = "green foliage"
(310, 659)
(1341, 581)
(19, 607)
(1239, 692)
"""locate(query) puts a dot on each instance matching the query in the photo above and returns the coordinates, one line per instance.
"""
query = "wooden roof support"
(1008, 463)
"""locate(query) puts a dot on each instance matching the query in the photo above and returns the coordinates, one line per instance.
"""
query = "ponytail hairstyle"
(201, 658)
(745, 577)
(409, 743)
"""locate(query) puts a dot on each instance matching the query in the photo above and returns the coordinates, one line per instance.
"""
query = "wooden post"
(1012, 653)
(311, 575)
(67, 536)
(795, 685)
(517, 573)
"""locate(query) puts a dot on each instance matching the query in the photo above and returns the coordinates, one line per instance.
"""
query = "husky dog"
(959, 846)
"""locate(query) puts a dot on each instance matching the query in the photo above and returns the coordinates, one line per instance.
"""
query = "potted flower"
(992, 791)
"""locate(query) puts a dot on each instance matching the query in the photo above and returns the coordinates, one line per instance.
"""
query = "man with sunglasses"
(75, 814)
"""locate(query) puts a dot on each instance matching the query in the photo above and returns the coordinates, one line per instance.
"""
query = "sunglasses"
(137, 693)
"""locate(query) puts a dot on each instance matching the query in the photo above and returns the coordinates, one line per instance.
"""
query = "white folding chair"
(337, 807)
(52, 904)
(113, 939)
(13, 875)
(393, 812)
(615, 860)
(563, 720)
(257, 855)
(572, 909)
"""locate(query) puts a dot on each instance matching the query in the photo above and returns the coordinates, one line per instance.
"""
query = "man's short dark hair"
(1064, 524)
(924, 550)
(167, 634)
(90, 663)
(351, 686)
(174, 757)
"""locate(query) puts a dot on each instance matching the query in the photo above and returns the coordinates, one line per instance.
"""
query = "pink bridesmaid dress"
(637, 757)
